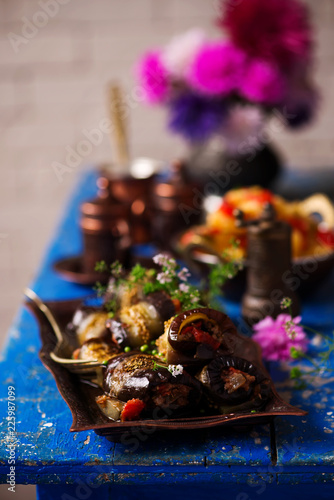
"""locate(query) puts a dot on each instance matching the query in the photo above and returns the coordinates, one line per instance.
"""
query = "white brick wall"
(53, 88)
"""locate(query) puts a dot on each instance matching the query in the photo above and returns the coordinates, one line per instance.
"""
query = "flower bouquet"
(227, 87)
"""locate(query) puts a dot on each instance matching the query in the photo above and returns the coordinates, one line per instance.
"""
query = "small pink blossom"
(164, 278)
(153, 77)
(217, 69)
(184, 274)
(278, 336)
(161, 259)
(184, 288)
(263, 83)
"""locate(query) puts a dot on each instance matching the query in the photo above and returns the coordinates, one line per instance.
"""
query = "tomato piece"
(205, 338)
(132, 409)
(262, 196)
(227, 208)
(326, 237)
(177, 305)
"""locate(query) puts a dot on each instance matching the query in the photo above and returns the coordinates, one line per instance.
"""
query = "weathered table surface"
(292, 457)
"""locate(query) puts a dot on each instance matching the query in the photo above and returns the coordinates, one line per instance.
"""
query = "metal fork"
(79, 366)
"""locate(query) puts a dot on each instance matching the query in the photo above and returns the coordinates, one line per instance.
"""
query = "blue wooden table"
(292, 457)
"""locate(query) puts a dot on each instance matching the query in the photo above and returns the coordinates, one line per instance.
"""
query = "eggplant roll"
(97, 349)
(138, 324)
(234, 382)
(196, 336)
(134, 376)
(88, 323)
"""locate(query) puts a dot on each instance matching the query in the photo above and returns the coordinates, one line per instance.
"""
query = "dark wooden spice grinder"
(268, 263)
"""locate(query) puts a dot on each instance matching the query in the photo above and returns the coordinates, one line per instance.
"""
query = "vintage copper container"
(105, 228)
(174, 206)
(268, 263)
(136, 193)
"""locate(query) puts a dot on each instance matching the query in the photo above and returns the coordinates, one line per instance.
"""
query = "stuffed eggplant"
(163, 394)
(88, 323)
(138, 324)
(97, 349)
(196, 336)
(232, 382)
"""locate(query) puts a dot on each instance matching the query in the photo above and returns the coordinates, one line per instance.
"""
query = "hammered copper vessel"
(105, 228)
(173, 206)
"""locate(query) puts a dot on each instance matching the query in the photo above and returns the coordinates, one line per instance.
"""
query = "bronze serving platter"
(80, 395)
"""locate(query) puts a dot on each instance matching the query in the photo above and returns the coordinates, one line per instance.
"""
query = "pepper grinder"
(268, 261)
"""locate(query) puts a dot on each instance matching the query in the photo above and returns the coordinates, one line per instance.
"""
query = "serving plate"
(80, 395)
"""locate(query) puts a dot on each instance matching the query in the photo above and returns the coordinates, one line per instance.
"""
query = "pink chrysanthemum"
(272, 29)
(263, 83)
(217, 69)
(278, 336)
(153, 77)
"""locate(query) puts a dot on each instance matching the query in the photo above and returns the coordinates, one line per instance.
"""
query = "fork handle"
(45, 310)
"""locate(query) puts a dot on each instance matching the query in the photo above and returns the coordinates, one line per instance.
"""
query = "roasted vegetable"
(88, 323)
(138, 324)
(135, 376)
(231, 381)
(196, 336)
(97, 349)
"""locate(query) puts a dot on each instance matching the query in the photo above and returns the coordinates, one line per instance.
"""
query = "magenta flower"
(278, 30)
(263, 83)
(153, 77)
(278, 336)
(217, 69)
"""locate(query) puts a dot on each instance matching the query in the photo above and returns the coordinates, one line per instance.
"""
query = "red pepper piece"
(227, 208)
(326, 237)
(132, 409)
(205, 338)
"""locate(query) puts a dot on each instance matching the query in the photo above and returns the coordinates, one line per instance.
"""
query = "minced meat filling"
(171, 394)
(236, 379)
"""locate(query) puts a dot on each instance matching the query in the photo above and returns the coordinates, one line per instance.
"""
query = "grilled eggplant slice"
(196, 336)
(232, 382)
(135, 376)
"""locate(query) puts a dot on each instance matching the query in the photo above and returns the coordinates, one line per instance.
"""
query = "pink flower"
(263, 83)
(153, 77)
(217, 69)
(278, 30)
(278, 336)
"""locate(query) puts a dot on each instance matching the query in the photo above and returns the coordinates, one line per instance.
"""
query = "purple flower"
(263, 83)
(153, 77)
(217, 69)
(196, 117)
(184, 288)
(278, 336)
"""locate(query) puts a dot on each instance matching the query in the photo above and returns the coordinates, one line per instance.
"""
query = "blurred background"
(53, 72)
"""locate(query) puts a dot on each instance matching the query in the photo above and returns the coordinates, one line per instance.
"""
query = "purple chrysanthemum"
(278, 336)
(196, 117)
(153, 77)
(217, 69)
